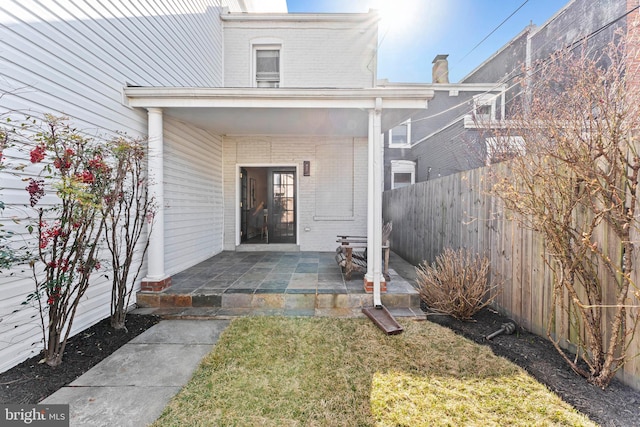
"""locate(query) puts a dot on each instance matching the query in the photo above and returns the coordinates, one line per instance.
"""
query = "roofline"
(148, 97)
(528, 29)
(372, 15)
(532, 29)
(462, 87)
(538, 28)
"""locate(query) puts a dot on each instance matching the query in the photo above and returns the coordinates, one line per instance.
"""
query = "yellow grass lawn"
(279, 371)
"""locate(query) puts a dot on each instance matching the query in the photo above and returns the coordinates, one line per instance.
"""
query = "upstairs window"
(487, 109)
(400, 136)
(403, 173)
(500, 149)
(267, 66)
(484, 108)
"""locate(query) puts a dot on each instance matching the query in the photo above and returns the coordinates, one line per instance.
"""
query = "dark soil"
(31, 381)
(617, 405)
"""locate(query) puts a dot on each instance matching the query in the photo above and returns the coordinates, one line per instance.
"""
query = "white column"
(155, 253)
(374, 216)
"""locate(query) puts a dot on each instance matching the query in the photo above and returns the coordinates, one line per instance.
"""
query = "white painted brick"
(287, 151)
(314, 54)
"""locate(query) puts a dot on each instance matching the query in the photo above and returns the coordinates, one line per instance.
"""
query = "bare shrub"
(577, 185)
(129, 215)
(457, 283)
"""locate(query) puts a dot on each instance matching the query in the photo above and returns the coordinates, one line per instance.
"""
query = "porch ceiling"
(285, 121)
(252, 111)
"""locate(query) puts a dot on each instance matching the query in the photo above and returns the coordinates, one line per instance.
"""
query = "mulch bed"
(31, 381)
(617, 405)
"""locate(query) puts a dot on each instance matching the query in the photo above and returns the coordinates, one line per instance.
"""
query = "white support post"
(374, 217)
(156, 278)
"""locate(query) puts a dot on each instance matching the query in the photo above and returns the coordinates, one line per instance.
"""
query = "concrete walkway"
(133, 385)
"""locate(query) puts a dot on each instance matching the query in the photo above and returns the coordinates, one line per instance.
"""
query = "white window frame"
(408, 143)
(483, 101)
(402, 166)
(473, 120)
(509, 144)
(265, 44)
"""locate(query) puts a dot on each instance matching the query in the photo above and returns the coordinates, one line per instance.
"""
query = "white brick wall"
(321, 53)
(281, 151)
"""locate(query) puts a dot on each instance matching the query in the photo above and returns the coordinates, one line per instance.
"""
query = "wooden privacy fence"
(456, 211)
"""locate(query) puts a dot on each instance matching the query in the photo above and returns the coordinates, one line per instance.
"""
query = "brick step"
(286, 301)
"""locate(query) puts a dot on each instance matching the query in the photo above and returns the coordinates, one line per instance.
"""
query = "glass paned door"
(282, 209)
(244, 205)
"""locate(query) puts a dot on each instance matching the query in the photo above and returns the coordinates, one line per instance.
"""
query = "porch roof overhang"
(282, 111)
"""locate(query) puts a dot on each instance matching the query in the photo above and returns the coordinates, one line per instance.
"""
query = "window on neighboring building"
(400, 136)
(503, 148)
(403, 173)
(484, 107)
(267, 66)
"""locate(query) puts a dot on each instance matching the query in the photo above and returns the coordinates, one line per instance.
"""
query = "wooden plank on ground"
(383, 320)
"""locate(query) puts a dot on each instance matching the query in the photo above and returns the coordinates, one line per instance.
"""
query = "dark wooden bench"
(351, 254)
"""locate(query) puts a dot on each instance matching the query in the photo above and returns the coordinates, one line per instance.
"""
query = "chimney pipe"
(440, 72)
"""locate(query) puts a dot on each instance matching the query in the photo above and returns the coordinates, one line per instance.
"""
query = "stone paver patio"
(288, 283)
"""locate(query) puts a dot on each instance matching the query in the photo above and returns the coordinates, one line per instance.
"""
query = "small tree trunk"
(53, 356)
(119, 315)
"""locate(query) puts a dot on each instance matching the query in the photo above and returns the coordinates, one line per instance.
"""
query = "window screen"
(401, 179)
(401, 135)
(267, 67)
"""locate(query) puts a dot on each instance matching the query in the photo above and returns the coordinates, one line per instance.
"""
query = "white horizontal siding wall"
(314, 53)
(280, 151)
(73, 58)
(193, 195)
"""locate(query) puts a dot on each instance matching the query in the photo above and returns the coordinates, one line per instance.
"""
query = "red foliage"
(86, 177)
(37, 154)
(36, 190)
